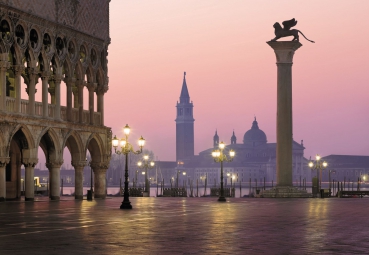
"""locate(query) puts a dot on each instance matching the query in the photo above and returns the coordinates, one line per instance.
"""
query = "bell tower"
(185, 145)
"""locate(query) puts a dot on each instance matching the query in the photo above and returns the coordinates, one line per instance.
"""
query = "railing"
(10, 104)
(38, 109)
(51, 110)
(86, 117)
(75, 115)
(24, 106)
(63, 113)
(97, 118)
(11, 107)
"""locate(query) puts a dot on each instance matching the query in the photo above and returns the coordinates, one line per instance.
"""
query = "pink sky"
(231, 71)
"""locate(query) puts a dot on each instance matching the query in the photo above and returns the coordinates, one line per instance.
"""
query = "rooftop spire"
(185, 96)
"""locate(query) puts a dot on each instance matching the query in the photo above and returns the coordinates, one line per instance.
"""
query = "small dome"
(255, 136)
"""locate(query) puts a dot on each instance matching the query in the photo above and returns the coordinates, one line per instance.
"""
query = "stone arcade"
(58, 43)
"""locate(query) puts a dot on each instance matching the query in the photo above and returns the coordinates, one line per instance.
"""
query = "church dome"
(255, 136)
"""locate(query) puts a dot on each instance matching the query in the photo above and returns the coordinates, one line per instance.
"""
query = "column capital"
(31, 71)
(30, 162)
(69, 81)
(101, 90)
(4, 65)
(79, 164)
(99, 166)
(45, 75)
(54, 164)
(4, 161)
(284, 51)
(18, 69)
(57, 78)
(80, 83)
(91, 86)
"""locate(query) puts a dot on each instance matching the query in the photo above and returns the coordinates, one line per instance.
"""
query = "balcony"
(11, 107)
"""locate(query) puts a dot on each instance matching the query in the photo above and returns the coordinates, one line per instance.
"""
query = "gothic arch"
(29, 58)
(78, 71)
(90, 74)
(100, 76)
(16, 55)
(95, 146)
(67, 68)
(27, 133)
(43, 62)
(75, 146)
(48, 140)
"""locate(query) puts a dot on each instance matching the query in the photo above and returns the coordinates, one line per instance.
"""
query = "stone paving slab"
(186, 226)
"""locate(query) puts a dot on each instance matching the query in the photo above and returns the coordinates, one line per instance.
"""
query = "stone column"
(29, 165)
(17, 80)
(100, 179)
(31, 89)
(91, 89)
(57, 81)
(54, 172)
(78, 179)
(75, 97)
(284, 52)
(70, 83)
(80, 86)
(45, 90)
(100, 102)
(3, 162)
(4, 65)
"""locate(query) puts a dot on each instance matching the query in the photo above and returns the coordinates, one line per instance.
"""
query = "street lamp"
(145, 164)
(219, 157)
(318, 166)
(126, 148)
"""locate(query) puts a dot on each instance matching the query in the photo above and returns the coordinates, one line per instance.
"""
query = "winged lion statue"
(286, 31)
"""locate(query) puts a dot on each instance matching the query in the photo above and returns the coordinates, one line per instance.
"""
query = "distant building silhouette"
(185, 146)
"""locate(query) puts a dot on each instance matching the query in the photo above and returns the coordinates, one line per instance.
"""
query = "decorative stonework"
(53, 40)
(88, 16)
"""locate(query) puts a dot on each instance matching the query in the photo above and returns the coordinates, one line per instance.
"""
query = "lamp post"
(220, 157)
(318, 166)
(145, 164)
(126, 148)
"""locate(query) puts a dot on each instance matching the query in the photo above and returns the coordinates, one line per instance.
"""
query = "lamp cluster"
(318, 164)
(126, 147)
(219, 156)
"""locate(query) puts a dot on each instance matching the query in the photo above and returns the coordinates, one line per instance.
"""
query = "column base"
(55, 198)
(100, 196)
(29, 199)
(2, 199)
(78, 197)
(222, 199)
(126, 205)
(284, 192)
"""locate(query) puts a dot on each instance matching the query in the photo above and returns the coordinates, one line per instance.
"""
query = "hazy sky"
(231, 71)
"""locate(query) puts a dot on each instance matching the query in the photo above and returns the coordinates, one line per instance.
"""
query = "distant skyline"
(231, 71)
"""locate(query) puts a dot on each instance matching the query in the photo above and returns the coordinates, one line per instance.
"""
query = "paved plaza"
(185, 226)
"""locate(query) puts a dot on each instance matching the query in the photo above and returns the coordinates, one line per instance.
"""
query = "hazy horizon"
(231, 71)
